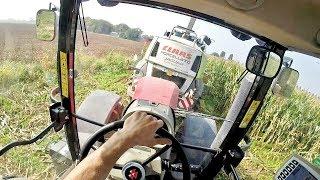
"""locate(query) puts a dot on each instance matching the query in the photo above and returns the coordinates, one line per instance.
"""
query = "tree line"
(121, 30)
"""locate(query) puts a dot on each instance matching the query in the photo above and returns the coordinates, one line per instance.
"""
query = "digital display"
(302, 173)
(297, 168)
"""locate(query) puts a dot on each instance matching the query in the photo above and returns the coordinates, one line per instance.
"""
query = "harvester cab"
(177, 57)
(167, 73)
(189, 37)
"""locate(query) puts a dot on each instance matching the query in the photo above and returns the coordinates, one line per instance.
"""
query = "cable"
(234, 173)
(87, 120)
(26, 142)
(42, 134)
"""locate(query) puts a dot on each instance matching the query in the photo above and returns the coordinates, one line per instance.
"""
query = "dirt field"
(18, 40)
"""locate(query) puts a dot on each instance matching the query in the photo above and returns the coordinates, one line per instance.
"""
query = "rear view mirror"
(45, 25)
(263, 62)
(286, 82)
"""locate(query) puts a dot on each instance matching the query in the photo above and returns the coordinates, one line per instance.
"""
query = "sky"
(156, 22)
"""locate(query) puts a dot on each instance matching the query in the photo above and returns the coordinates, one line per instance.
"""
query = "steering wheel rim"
(161, 132)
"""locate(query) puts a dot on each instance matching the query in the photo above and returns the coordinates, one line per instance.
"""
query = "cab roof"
(294, 24)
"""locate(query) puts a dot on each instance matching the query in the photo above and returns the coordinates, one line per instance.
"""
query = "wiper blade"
(83, 26)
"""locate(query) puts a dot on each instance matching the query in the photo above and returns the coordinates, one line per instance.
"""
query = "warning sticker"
(247, 118)
(64, 74)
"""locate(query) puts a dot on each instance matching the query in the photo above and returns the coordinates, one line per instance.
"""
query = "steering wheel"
(126, 169)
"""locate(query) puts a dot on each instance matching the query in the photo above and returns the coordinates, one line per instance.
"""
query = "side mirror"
(45, 25)
(207, 40)
(286, 82)
(263, 62)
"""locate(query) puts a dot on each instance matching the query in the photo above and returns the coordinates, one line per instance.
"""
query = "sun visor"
(157, 90)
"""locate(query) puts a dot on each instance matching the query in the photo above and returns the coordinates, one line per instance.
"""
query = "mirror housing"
(46, 25)
(108, 3)
(285, 82)
(261, 61)
(240, 35)
(287, 61)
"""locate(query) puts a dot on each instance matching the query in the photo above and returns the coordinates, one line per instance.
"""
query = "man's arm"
(138, 129)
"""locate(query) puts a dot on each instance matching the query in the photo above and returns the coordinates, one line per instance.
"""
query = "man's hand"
(140, 128)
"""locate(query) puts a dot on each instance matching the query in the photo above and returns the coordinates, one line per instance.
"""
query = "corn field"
(291, 124)
(287, 124)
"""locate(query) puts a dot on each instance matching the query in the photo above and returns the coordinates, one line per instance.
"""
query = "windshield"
(118, 45)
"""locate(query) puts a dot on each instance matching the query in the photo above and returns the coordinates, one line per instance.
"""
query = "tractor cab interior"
(196, 137)
(170, 82)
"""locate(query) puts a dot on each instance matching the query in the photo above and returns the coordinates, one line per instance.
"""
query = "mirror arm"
(243, 74)
(52, 7)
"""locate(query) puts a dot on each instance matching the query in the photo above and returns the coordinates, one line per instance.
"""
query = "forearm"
(99, 163)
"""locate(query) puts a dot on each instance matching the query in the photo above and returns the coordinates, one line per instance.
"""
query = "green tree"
(133, 34)
(104, 27)
(99, 26)
(121, 29)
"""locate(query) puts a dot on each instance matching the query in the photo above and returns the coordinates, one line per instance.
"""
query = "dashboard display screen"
(302, 173)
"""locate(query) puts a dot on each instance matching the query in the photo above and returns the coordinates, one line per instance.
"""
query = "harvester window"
(177, 33)
(196, 64)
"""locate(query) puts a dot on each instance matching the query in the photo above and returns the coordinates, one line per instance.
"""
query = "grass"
(109, 73)
(24, 99)
(259, 162)
(284, 125)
